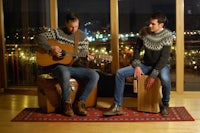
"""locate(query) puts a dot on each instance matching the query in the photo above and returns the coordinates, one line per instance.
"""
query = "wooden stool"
(49, 93)
(148, 101)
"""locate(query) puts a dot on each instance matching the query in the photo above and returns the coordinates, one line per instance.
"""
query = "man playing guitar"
(69, 36)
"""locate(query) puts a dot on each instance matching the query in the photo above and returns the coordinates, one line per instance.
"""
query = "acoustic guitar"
(68, 55)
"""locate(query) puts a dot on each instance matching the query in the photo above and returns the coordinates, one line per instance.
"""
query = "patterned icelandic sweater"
(157, 47)
(63, 38)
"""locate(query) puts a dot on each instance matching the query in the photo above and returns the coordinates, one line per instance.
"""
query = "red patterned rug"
(96, 115)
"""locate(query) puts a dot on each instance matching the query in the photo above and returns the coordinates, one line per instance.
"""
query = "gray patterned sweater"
(157, 47)
(63, 38)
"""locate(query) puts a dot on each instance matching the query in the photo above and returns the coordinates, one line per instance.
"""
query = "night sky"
(133, 14)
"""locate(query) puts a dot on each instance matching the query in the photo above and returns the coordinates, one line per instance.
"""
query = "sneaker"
(80, 108)
(67, 109)
(114, 110)
(165, 110)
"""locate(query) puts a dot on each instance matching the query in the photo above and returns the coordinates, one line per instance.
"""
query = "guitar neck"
(100, 57)
(82, 54)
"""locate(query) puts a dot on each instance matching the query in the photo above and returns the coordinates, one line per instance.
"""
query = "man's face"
(72, 26)
(154, 26)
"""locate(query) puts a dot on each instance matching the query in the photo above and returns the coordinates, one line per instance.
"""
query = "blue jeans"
(128, 71)
(63, 74)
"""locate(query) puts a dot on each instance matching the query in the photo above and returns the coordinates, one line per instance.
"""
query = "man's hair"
(71, 16)
(160, 17)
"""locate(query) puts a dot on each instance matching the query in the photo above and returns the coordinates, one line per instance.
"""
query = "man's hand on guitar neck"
(56, 51)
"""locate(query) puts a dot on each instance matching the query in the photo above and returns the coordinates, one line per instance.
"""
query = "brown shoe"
(114, 110)
(67, 108)
(164, 110)
(79, 108)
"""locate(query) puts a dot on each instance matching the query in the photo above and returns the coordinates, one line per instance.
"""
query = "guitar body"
(46, 59)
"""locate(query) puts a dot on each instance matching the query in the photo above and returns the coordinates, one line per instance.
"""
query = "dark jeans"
(128, 71)
(63, 74)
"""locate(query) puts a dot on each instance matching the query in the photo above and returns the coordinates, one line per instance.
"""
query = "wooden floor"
(11, 105)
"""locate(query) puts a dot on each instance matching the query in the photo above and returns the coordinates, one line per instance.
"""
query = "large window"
(133, 15)
(23, 19)
(95, 22)
(192, 45)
